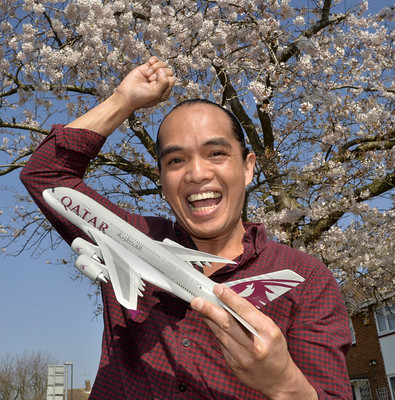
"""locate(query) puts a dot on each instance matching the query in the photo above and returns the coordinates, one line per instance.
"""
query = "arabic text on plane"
(130, 241)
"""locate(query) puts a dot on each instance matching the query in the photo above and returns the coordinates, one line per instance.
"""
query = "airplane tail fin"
(260, 290)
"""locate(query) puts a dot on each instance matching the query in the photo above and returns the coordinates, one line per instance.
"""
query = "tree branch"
(139, 130)
(324, 22)
(232, 97)
(115, 160)
(25, 127)
(11, 167)
(265, 153)
(369, 143)
(313, 231)
(58, 41)
(31, 88)
(367, 89)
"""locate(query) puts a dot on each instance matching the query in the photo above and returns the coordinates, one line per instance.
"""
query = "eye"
(218, 154)
(175, 160)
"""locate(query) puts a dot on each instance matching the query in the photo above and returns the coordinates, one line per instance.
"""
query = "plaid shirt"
(168, 352)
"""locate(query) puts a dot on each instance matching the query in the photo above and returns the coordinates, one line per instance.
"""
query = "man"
(168, 352)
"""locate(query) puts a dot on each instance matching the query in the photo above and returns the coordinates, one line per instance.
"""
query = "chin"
(205, 234)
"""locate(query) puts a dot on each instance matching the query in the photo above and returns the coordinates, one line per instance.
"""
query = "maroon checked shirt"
(168, 352)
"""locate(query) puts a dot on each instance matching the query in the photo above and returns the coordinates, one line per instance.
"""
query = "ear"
(249, 165)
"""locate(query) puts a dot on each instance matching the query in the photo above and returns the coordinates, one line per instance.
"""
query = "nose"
(198, 171)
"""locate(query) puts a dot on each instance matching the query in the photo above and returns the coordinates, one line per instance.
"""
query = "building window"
(385, 318)
(392, 385)
(361, 389)
(382, 393)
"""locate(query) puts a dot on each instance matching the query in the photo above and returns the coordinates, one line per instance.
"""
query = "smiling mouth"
(204, 201)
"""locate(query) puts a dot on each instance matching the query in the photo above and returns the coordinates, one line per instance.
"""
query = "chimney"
(87, 386)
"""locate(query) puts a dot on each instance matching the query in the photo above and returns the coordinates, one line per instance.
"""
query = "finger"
(147, 67)
(154, 69)
(238, 345)
(225, 328)
(160, 74)
(159, 65)
(238, 304)
(166, 89)
(166, 94)
(264, 325)
(164, 83)
(152, 60)
(260, 324)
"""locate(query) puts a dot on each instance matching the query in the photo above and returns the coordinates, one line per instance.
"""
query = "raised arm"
(145, 86)
(62, 158)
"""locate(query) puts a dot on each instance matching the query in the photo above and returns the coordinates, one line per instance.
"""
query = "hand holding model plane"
(263, 363)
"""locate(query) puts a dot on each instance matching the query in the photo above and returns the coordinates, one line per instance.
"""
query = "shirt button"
(186, 342)
(182, 387)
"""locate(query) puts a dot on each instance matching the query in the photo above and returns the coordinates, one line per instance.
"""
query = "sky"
(42, 308)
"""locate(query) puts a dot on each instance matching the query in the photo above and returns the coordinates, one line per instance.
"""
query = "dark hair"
(236, 126)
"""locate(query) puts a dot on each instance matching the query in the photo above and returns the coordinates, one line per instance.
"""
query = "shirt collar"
(254, 241)
(255, 235)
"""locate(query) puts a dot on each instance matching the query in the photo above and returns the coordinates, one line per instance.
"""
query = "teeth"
(203, 196)
(200, 209)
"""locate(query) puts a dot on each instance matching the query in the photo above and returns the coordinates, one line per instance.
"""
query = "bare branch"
(14, 125)
(115, 160)
(23, 86)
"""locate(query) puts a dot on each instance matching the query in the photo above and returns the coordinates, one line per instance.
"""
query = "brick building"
(79, 394)
(371, 359)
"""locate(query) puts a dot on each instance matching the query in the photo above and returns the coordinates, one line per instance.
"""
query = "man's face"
(203, 173)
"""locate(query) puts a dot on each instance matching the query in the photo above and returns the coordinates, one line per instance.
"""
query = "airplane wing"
(127, 283)
(260, 290)
(192, 256)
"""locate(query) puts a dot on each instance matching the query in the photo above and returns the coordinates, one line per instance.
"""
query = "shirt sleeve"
(320, 336)
(61, 160)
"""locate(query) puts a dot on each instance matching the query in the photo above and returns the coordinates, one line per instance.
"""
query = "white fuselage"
(158, 265)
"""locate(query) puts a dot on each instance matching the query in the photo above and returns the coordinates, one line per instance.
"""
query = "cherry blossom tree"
(311, 81)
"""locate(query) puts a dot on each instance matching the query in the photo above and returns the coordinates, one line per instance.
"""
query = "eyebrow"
(211, 142)
(220, 141)
(168, 150)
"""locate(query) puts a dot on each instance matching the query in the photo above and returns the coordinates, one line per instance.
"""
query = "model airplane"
(127, 258)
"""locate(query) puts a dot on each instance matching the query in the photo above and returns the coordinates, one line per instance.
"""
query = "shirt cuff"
(83, 141)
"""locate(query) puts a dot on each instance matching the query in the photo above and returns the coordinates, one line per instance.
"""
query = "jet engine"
(81, 246)
(91, 268)
(89, 261)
